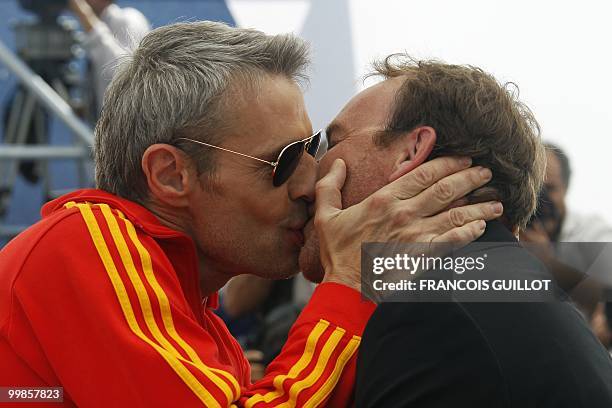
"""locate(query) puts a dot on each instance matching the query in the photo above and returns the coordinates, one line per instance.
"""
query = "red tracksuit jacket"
(101, 299)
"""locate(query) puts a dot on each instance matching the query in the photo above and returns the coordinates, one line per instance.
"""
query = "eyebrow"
(276, 150)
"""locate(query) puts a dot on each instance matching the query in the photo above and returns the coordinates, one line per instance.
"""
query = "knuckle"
(475, 176)
(378, 201)
(463, 235)
(443, 190)
(423, 177)
(321, 182)
(321, 186)
(401, 218)
(451, 164)
(456, 217)
(455, 235)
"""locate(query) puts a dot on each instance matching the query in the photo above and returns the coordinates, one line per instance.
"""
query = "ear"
(413, 149)
(168, 174)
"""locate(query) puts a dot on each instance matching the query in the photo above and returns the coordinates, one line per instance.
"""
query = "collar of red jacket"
(141, 217)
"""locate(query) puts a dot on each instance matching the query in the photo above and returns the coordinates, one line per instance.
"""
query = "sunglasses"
(287, 160)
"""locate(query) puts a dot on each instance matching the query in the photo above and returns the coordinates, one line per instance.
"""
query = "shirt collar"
(138, 215)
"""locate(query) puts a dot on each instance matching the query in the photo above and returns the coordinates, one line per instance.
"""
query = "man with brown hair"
(453, 353)
(424, 110)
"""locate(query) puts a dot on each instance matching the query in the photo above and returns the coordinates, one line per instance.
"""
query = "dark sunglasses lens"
(313, 146)
(287, 163)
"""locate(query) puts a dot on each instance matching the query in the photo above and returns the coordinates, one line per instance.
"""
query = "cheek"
(357, 188)
(366, 172)
(247, 207)
(265, 208)
(364, 177)
(327, 160)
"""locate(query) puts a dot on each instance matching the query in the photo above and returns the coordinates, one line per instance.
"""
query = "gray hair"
(178, 84)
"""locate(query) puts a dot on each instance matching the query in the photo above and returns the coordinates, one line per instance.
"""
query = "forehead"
(371, 107)
(267, 114)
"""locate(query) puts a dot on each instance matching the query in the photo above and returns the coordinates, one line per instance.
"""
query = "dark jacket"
(489, 355)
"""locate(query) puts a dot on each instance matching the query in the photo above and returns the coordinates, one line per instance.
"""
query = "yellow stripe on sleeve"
(296, 369)
(188, 378)
(313, 377)
(331, 382)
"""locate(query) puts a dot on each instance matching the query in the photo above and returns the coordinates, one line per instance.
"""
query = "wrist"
(350, 280)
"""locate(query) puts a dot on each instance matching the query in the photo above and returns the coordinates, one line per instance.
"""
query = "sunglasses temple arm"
(273, 164)
(231, 151)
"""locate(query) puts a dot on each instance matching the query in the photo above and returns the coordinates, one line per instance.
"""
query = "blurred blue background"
(24, 207)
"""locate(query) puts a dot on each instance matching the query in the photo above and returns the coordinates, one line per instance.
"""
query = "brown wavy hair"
(473, 115)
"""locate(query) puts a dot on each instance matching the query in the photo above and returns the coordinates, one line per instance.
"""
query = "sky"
(557, 52)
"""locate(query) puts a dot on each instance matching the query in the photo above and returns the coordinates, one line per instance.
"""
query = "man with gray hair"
(202, 176)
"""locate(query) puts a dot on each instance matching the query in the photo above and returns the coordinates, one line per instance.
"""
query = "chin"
(279, 266)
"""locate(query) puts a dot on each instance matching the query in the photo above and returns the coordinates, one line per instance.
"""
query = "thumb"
(328, 196)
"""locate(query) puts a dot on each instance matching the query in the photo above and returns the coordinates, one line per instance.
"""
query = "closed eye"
(331, 140)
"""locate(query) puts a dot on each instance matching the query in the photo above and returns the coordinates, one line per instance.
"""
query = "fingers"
(328, 191)
(460, 216)
(461, 236)
(440, 195)
(425, 175)
(460, 224)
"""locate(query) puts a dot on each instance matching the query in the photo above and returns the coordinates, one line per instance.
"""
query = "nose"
(301, 184)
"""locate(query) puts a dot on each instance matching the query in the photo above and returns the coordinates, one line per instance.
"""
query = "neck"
(174, 218)
(514, 229)
(211, 276)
